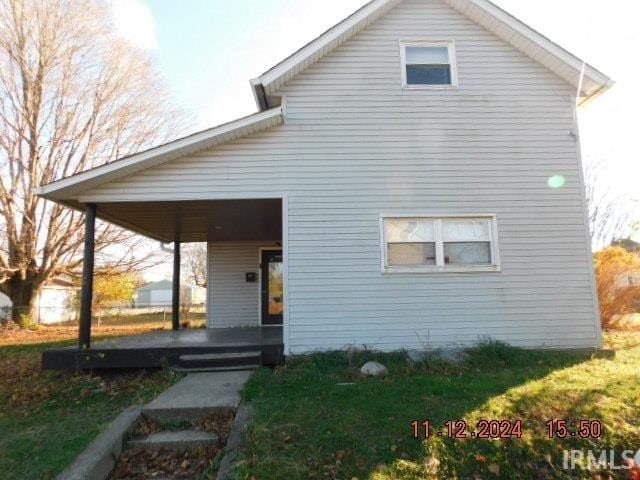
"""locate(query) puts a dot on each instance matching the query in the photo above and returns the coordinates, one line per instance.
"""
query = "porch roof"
(199, 221)
(66, 189)
(182, 221)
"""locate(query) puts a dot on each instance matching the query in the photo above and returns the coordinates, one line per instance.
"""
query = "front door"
(272, 287)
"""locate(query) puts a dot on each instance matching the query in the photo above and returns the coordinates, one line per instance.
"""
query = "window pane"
(408, 230)
(276, 289)
(466, 231)
(427, 55)
(428, 75)
(411, 254)
(467, 253)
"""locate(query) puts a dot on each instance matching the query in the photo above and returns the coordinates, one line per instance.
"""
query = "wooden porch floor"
(163, 348)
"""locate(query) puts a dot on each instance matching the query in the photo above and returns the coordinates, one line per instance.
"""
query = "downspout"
(165, 249)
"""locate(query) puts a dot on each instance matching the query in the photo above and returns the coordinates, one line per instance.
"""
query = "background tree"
(113, 289)
(110, 290)
(611, 214)
(195, 258)
(72, 96)
(617, 295)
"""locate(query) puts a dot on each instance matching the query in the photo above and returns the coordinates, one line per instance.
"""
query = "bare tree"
(195, 256)
(72, 96)
(611, 214)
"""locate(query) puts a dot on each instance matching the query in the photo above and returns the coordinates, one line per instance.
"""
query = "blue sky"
(207, 50)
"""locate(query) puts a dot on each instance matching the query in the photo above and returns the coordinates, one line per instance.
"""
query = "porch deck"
(164, 347)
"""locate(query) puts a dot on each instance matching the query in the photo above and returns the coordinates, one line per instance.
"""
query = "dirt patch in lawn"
(139, 463)
(194, 463)
(218, 423)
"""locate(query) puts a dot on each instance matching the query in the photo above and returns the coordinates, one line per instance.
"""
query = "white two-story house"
(412, 179)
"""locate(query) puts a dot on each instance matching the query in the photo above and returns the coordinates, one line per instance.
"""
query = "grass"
(157, 319)
(48, 418)
(317, 418)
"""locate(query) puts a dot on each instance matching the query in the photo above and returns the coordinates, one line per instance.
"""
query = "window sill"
(448, 269)
(430, 87)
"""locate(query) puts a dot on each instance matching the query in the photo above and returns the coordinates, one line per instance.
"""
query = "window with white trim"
(428, 64)
(448, 244)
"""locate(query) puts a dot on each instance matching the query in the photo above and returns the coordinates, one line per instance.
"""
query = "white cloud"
(134, 22)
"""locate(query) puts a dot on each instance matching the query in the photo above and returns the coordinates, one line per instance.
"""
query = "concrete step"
(231, 359)
(238, 368)
(197, 396)
(178, 440)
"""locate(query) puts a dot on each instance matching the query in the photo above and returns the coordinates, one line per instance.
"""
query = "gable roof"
(199, 141)
(590, 81)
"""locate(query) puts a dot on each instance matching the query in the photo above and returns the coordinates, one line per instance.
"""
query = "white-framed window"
(439, 243)
(428, 64)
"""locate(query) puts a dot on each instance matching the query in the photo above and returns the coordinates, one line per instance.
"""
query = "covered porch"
(197, 348)
(227, 341)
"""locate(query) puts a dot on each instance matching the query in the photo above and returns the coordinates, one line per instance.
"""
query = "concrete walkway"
(194, 397)
(198, 395)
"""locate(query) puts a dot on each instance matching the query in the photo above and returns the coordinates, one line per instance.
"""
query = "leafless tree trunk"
(610, 213)
(195, 256)
(72, 96)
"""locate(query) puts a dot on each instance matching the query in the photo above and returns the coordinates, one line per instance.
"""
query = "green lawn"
(316, 418)
(196, 319)
(48, 418)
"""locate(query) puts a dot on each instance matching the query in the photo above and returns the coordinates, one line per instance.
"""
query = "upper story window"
(428, 64)
(415, 244)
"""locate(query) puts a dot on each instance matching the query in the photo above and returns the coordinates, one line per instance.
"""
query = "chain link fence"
(154, 316)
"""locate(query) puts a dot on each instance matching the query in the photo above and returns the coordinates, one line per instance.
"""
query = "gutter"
(164, 248)
(259, 95)
(603, 88)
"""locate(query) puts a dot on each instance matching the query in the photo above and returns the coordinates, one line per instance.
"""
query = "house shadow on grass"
(318, 418)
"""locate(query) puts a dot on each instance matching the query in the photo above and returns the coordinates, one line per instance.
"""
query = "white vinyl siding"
(161, 297)
(231, 300)
(354, 145)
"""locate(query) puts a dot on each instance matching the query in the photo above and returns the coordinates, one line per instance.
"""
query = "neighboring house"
(412, 179)
(157, 294)
(628, 244)
(54, 303)
(5, 306)
(629, 279)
